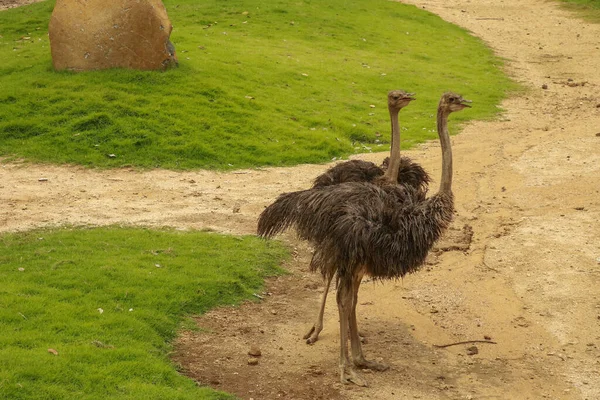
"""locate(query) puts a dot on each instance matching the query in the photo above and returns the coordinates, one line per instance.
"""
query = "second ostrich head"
(397, 99)
(451, 102)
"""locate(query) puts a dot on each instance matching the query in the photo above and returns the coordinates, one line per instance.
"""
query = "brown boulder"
(100, 34)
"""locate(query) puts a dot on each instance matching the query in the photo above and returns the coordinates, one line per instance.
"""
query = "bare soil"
(5, 4)
(527, 185)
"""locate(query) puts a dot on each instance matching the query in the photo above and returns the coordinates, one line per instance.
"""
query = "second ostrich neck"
(442, 128)
(392, 172)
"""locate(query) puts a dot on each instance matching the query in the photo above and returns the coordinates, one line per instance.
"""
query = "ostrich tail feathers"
(280, 215)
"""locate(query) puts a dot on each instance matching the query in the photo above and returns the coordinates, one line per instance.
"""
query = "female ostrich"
(379, 229)
(409, 174)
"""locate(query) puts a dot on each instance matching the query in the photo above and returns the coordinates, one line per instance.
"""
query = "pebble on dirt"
(253, 361)
(254, 351)
(471, 351)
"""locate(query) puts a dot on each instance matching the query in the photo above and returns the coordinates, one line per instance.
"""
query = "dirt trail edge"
(527, 187)
(6, 4)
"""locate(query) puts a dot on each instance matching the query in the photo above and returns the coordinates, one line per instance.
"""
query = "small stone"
(471, 351)
(253, 361)
(544, 86)
(487, 337)
(254, 351)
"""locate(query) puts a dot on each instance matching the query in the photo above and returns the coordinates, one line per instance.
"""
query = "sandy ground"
(527, 185)
(5, 4)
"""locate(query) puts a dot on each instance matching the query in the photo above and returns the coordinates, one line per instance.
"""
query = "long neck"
(392, 172)
(442, 127)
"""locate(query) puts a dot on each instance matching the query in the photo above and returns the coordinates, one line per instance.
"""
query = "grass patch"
(259, 83)
(55, 283)
(588, 9)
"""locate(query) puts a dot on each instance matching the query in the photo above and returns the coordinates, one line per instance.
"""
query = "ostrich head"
(451, 102)
(397, 99)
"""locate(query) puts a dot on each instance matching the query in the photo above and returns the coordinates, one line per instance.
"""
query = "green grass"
(589, 9)
(144, 281)
(287, 82)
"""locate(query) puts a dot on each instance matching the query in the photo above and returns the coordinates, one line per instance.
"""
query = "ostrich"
(379, 229)
(409, 174)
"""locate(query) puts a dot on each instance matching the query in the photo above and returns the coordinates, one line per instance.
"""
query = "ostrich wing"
(349, 171)
(409, 173)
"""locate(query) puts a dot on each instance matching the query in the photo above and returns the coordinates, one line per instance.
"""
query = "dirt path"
(528, 185)
(6, 4)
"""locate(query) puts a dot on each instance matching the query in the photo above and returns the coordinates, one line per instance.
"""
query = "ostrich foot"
(312, 335)
(349, 375)
(372, 365)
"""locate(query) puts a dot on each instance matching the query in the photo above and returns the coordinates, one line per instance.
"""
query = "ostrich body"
(410, 174)
(379, 229)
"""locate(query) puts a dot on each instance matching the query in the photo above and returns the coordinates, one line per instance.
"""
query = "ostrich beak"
(465, 103)
(410, 96)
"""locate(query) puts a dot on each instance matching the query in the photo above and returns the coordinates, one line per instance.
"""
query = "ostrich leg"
(357, 353)
(313, 334)
(348, 373)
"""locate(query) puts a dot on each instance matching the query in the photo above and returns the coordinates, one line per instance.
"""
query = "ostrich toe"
(372, 365)
(312, 335)
(349, 375)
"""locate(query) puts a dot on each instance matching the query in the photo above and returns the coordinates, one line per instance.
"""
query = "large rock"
(100, 34)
